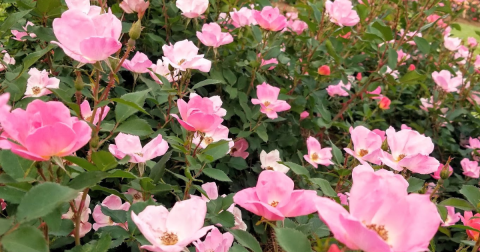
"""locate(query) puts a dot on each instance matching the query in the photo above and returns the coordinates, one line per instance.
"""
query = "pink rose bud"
(411, 67)
(359, 76)
(472, 42)
(324, 70)
(304, 115)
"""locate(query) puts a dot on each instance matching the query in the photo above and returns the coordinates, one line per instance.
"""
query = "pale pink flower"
(341, 12)
(274, 197)
(452, 43)
(381, 133)
(462, 52)
(317, 155)
(446, 32)
(8, 61)
(20, 34)
(212, 35)
(473, 143)
(44, 130)
(137, 196)
(131, 6)
(394, 73)
(85, 38)
(273, 61)
(215, 242)
(382, 216)
(434, 17)
(267, 97)
(476, 64)
(270, 161)
(472, 42)
(270, 18)
(470, 168)
(402, 56)
(304, 115)
(242, 17)
(404, 126)
(339, 89)
(172, 230)
(428, 103)
(85, 226)
(445, 80)
(239, 149)
(87, 112)
(161, 68)
(452, 217)
(220, 133)
(217, 104)
(436, 174)
(184, 55)
(199, 114)
(367, 145)
(343, 198)
(297, 26)
(212, 192)
(409, 150)
(192, 8)
(376, 92)
(130, 145)
(83, 6)
(139, 63)
(112, 202)
(38, 84)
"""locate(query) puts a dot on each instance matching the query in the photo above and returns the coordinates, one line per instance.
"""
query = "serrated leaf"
(137, 127)
(292, 240)
(25, 239)
(324, 186)
(216, 174)
(246, 239)
(129, 104)
(457, 203)
(206, 82)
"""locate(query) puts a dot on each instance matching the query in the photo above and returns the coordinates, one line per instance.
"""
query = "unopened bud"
(446, 172)
(79, 82)
(94, 141)
(135, 30)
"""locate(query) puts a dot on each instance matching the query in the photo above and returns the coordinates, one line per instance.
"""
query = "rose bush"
(196, 125)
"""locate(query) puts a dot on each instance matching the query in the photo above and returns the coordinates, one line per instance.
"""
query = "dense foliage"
(232, 125)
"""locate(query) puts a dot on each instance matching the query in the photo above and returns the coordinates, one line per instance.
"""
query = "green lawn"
(468, 30)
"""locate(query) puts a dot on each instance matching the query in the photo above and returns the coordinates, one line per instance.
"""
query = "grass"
(468, 30)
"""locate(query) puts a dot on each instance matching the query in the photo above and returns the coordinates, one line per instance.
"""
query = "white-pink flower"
(340, 89)
(184, 55)
(445, 80)
(212, 35)
(130, 145)
(38, 84)
(451, 43)
(112, 202)
(316, 154)
(367, 145)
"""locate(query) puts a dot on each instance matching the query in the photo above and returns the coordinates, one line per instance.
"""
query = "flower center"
(380, 229)
(266, 103)
(233, 150)
(88, 118)
(363, 152)
(110, 221)
(314, 156)
(208, 140)
(169, 238)
(274, 203)
(139, 154)
(137, 196)
(400, 157)
(36, 90)
(269, 168)
(181, 61)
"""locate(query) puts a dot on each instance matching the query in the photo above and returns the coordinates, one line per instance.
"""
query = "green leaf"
(5, 225)
(25, 239)
(324, 186)
(464, 227)
(385, 30)
(247, 240)
(422, 44)
(237, 248)
(121, 174)
(292, 240)
(262, 132)
(206, 82)
(42, 199)
(225, 218)
(415, 184)
(12, 18)
(87, 179)
(316, 12)
(297, 169)
(104, 160)
(331, 51)
(14, 165)
(392, 58)
(257, 33)
(117, 216)
(216, 174)
(31, 58)
(442, 210)
(217, 150)
(129, 104)
(337, 153)
(472, 194)
(230, 76)
(102, 245)
(82, 163)
(411, 77)
(157, 171)
(45, 6)
(138, 127)
(457, 203)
